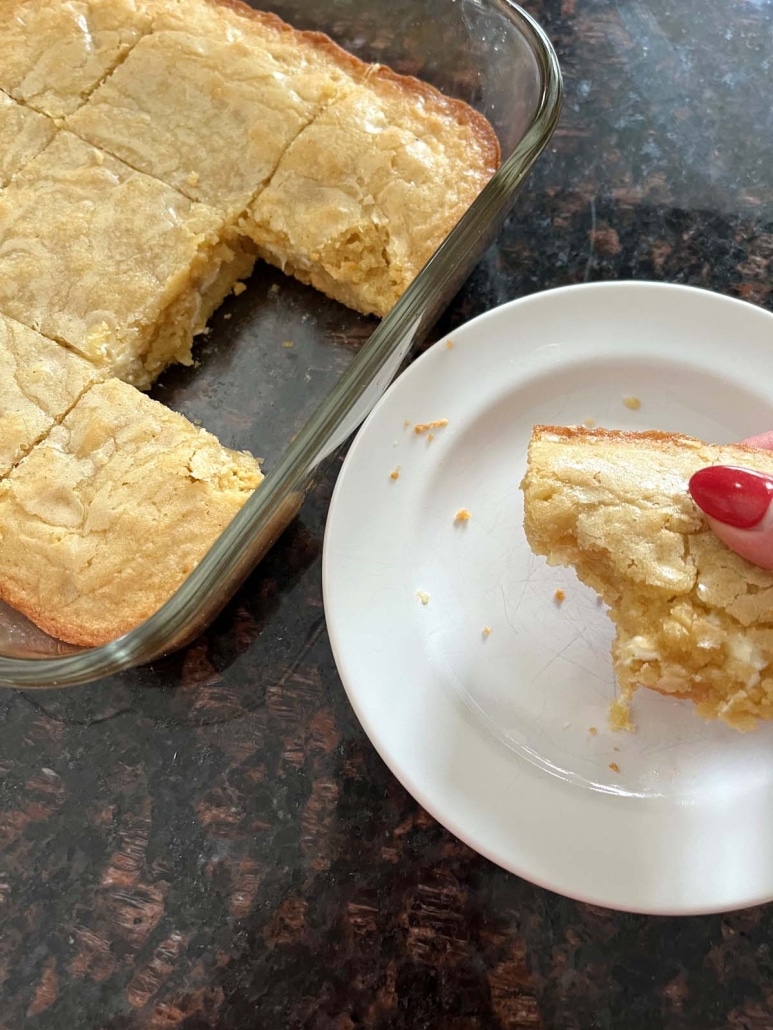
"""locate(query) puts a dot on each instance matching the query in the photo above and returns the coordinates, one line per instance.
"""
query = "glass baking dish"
(288, 374)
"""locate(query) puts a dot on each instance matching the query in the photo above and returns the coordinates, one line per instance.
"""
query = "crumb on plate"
(227, 315)
(406, 423)
(589, 422)
(423, 597)
(632, 402)
(463, 515)
(395, 473)
(274, 288)
(486, 631)
(620, 714)
(424, 427)
(449, 344)
(592, 730)
(559, 596)
(614, 767)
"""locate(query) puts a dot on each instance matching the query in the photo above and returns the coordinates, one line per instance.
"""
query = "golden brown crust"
(456, 110)
(641, 438)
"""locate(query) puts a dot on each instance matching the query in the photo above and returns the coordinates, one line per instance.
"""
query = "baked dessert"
(23, 134)
(105, 518)
(54, 52)
(368, 191)
(111, 262)
(210, 101)
(692, 619)
(151, 151)
(39, 383)
(351, 176)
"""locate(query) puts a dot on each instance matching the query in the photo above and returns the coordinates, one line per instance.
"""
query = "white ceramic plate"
(492, 734)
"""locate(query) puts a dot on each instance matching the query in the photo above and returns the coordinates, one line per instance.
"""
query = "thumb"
(737, 505)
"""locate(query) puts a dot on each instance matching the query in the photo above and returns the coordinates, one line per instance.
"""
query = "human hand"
(737, 505)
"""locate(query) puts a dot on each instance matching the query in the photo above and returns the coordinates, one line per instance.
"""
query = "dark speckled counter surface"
(213, 842)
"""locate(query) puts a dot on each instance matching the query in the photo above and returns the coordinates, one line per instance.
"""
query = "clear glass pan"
(288, 374)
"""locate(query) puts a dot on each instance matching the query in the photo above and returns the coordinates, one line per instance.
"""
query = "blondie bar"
(367, 192)
(113, 263)
(692, 619)
(105, 518)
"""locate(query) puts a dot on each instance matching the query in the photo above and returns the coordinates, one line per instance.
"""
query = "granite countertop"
(213, 842)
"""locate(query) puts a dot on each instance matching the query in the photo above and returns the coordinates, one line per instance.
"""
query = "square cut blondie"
(113, 263)
(211, 105)
(692, 619)
(39, 383)
(23, 134)
(367, 192)
(54, 52)
(104, 519)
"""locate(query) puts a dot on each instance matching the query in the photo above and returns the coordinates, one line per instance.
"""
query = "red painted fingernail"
(734, 496)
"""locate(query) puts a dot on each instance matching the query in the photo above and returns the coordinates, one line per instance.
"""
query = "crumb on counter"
(239, 289)
(486, 632)
(463, 515)
(592, 730)
(227, 315)
(559, 596)
(424, 427)
(449, 344)
(288, 344)
(395, 473)
(423, 597)
(632, 402)
(614, 767)
(589, 423)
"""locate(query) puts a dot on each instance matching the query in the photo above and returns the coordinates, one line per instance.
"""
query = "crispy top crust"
(105, 518)
(54, 52)
(207, 114)
(645, 438)
(241, 16)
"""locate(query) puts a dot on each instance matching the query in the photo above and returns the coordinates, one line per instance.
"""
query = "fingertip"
(755, 545)
(764, 441)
